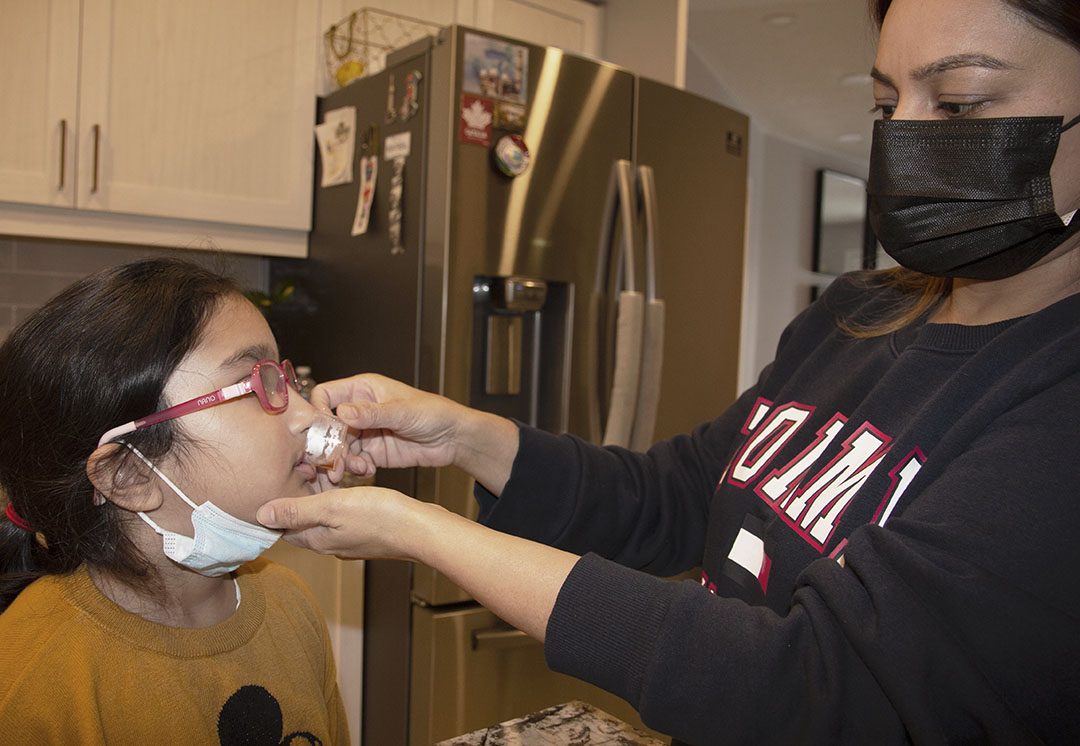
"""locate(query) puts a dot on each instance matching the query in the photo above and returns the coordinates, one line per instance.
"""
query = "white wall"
(648, 37)
(780, 226)
(780, 233)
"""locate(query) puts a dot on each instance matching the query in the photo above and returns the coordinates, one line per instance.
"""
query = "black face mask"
(966, 198)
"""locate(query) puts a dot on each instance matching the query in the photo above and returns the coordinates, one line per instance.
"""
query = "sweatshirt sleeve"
(955, 623)
(647, 511)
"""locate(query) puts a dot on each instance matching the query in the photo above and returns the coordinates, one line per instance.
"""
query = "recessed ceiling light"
(779, 19)
(849, 137)
(854, 80)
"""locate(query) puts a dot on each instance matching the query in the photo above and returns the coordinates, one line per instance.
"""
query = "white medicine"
(326, 441)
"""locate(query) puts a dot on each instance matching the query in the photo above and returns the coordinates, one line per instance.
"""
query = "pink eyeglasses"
(269, 381)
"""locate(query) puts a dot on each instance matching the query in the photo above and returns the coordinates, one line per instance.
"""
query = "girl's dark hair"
(1060, 18)
(95, 356)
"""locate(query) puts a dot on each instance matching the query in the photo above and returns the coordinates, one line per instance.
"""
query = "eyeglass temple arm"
(179, 410)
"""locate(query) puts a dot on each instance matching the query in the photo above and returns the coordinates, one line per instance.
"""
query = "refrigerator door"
(697, 151)
(544, 224)
(477, 671)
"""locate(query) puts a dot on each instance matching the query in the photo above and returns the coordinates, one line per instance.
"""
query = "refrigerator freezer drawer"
(470, 670)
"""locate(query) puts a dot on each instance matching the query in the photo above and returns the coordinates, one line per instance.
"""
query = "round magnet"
(511, 155)
(326, 441)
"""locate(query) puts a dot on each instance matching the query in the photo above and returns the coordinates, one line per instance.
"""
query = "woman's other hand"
(516, 579)
(353, 523)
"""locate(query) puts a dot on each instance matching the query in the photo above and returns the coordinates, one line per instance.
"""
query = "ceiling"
(799, 68)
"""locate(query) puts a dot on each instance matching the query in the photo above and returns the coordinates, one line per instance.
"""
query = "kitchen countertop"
(571, 724)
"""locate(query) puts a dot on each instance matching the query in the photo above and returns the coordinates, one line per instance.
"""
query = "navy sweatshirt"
(888, 532)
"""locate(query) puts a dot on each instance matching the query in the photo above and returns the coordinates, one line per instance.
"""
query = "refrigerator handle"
(629, 321)
(652, 353)
(598, 301)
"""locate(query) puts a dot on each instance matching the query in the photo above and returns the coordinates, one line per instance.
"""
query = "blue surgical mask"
(222, 541)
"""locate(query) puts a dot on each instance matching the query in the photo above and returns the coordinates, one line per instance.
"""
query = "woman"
(886, 521)
(133, 608)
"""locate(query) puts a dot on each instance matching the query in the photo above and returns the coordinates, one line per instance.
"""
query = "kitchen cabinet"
(179, 110)
(39, 44)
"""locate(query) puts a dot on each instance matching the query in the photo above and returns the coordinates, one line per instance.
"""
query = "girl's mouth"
(308, 470)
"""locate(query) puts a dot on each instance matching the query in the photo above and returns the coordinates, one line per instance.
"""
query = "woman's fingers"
(294, 513)
(353, 523)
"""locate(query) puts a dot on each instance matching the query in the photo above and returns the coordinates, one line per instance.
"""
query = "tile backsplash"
(33, 270)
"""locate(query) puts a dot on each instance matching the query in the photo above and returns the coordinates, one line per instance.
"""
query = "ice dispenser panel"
(521, 349)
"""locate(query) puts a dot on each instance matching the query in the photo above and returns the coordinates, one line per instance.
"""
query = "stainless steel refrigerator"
(555, 239)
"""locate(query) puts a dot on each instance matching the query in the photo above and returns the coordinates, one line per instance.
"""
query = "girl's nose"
(300, 412)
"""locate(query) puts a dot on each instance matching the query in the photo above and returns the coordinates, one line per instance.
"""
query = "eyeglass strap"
(127, 427)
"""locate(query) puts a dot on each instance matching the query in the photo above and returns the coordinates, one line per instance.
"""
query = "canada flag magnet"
(477, 114)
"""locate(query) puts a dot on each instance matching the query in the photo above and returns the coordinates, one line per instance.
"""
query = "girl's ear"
(129, 486)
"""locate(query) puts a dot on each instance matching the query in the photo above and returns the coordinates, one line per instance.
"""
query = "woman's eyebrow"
(952, 62)
(252, 355)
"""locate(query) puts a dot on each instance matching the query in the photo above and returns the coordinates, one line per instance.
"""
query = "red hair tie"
(15, 518)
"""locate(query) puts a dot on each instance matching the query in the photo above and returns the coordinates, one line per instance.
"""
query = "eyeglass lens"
(290, 375)
(273, 384)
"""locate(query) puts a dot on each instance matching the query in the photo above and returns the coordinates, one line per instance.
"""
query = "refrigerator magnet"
(369, 173)
(336, 137)
(411, 103)
(495, 68)
(477, 114)
(511, 155)
(397, 146)
(509, 116)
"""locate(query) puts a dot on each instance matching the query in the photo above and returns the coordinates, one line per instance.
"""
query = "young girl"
(133, 608)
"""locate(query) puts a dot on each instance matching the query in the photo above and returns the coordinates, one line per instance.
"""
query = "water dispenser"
(521, 349)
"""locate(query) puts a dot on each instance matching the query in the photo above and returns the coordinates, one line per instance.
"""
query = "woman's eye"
(956, 109)
(886, 110)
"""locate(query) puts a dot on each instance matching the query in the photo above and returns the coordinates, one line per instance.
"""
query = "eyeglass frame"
(251, 385)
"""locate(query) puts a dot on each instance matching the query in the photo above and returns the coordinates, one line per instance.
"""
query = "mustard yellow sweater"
(75, 668)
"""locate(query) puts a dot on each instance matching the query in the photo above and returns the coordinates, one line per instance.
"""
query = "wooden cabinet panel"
(39, 48)
(199, 109)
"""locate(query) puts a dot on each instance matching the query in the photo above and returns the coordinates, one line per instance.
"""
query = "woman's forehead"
(932, 29)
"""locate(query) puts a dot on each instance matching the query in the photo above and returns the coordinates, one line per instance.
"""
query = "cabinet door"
(572, 25)
(199, 109)
(39, 49)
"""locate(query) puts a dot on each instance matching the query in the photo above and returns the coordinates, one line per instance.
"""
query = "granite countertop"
(571, 724)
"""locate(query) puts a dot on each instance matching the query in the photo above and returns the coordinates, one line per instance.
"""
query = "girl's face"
(949, 59)
(241, 456)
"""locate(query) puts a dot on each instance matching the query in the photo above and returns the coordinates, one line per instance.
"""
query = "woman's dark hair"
(1060, 18)
(97, 355)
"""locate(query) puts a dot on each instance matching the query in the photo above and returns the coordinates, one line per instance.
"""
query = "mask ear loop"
(1069, 218)
(149, 521)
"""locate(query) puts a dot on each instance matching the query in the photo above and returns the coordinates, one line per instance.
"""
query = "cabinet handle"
(96, 129)
(500, 638)
(63, 152)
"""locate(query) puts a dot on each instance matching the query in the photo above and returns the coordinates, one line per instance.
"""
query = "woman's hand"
(518, 580)
(400, 426)
(354, 523)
